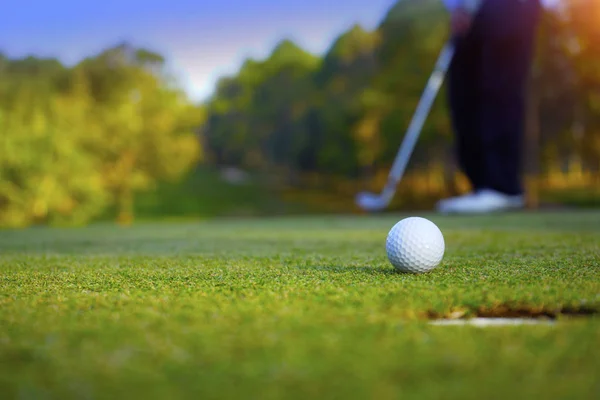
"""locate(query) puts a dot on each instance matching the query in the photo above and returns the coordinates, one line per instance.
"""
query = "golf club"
(375, 202)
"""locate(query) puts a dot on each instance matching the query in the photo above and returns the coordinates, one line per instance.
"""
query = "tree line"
(78, 141)
(343, 115)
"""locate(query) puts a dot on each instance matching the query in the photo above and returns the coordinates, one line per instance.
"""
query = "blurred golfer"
(487, 87)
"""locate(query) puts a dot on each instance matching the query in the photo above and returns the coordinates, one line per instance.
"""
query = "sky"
(202, 40)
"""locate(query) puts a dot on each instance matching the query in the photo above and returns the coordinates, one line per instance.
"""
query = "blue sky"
(202, 39)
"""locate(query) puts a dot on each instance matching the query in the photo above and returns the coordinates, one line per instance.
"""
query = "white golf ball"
(415, 245)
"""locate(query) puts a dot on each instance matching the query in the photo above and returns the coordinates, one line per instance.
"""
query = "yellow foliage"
(70, 150)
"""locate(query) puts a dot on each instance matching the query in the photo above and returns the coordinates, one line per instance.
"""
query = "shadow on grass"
(340, 269)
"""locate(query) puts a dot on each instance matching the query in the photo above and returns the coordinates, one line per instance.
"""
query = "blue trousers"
(487, 84)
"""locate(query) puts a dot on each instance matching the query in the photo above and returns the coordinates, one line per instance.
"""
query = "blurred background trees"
(115, 134)
(77, 141)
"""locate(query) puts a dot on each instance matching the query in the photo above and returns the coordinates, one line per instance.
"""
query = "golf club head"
(371, 201)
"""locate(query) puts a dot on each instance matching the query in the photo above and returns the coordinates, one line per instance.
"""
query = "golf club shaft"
(416, 125)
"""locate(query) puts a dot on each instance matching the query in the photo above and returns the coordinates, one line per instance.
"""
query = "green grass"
(204, 194)
(297, 308)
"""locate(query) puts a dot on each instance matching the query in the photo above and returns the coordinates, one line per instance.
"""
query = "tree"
(45, 174)
(255, 120)
(146, 127)
(76, 140)
(339, 129)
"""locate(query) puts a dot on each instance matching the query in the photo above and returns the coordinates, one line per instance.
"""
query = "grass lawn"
(298, 308)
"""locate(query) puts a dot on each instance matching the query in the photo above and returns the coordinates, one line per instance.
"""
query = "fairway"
(299, 308)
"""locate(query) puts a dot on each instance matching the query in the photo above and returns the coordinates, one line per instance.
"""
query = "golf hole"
(485, 322)
(504, 315)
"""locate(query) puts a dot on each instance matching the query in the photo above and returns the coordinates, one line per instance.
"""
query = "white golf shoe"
(480, 202)
(450, 203)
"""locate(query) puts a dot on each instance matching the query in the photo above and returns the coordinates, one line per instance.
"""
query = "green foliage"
(77, 140)
(256, 118)
(45, 173)
(347, 71)
(567, 83)
(351, 108)
(147, 126)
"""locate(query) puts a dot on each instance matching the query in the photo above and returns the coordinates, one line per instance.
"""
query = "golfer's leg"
(507, 55)
(464, 101)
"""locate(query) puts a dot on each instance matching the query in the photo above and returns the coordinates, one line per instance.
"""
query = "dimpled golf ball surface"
(415, 245)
